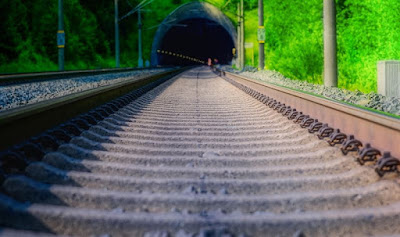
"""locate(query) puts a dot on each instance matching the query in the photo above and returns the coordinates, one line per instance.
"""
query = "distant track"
(19, 124)
(194, 156)
(21, 78)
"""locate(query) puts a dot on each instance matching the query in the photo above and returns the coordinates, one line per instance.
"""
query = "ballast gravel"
(371, 100)
(196, 156)
(14, 96)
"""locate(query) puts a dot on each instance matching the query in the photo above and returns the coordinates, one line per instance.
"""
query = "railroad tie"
(197, 156)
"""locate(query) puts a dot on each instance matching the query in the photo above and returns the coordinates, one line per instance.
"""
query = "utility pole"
(261, 35)
(139, 10)
(140, 58)
(60, 36)
(116, 22)
(330, 44)
(242, 57)
(238, 51)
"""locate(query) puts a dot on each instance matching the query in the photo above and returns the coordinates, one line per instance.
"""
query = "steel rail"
(19, 124)
(195, 153)
(20, 78)
(379, 130)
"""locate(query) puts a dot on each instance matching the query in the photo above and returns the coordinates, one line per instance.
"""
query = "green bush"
(368, 31)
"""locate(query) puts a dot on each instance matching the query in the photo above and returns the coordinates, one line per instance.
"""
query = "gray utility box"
(389, 78)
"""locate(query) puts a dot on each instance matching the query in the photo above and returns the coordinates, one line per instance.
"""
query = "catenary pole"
(330, 44)
(116, 22)
(60, 36)
(261, 42)
(238, 51)
(242, 57)
(140, 57)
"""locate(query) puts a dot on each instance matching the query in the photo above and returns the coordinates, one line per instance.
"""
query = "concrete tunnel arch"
(193, 14)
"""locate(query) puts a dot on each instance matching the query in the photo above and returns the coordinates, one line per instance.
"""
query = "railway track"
(196, 156)
(21, 78)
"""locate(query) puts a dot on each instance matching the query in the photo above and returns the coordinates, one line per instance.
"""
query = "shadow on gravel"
(14, 214)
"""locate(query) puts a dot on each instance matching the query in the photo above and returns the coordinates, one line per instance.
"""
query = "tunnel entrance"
(198, 38)
(198, 30)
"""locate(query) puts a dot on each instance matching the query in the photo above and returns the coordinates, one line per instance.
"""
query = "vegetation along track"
(197, 156)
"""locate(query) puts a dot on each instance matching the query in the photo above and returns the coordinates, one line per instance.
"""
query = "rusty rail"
(336, 122)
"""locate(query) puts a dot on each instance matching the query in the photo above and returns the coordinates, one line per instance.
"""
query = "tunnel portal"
(198, 38)
(198, 30)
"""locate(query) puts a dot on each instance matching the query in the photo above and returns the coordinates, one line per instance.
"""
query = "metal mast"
(238, 51)
(330, 56)
(60, 36)
(116, 22)
(140, 56)
(242, 51)
(261, 35)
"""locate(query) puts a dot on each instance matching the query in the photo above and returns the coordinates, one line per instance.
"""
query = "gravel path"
(19, 95)
(370, 100)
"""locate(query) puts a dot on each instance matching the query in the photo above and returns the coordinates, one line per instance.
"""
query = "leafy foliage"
(367, 32)
(294, 40)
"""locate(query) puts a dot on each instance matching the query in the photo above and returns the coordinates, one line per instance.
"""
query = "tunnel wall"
(190, 11)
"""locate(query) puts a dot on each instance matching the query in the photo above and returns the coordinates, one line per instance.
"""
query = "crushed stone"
(13, 96)
(370, 100)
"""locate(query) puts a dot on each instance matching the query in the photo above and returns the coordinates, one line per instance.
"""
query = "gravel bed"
(19, 95)
(370, 100)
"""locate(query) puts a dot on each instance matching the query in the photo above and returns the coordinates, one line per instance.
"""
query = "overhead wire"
(139, 6)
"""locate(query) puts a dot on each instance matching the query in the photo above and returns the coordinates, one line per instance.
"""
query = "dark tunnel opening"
(197, 38)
